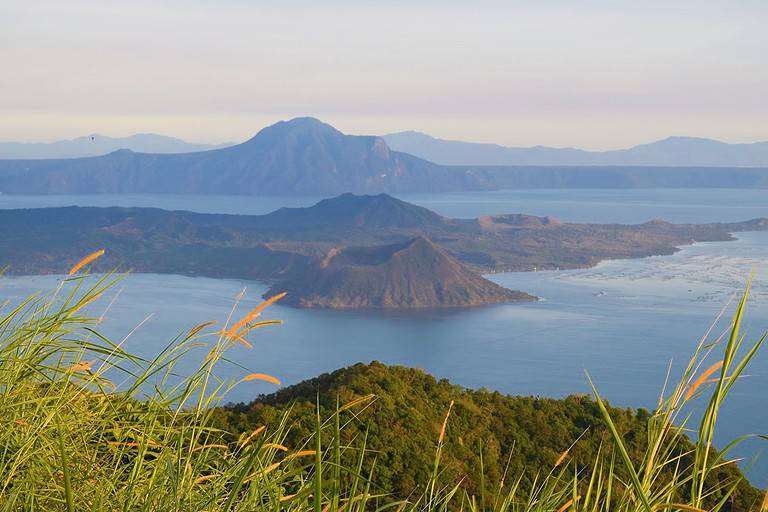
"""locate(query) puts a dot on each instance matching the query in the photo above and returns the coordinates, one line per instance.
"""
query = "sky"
(591, 74)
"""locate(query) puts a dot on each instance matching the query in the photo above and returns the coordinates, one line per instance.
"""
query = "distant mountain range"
(672, 151)
(95, 145)
(301, 156)
(305, 156)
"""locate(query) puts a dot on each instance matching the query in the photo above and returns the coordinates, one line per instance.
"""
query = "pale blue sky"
(594, 74)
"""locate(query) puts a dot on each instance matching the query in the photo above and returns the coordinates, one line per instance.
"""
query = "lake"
(622, 321)
(575, 205)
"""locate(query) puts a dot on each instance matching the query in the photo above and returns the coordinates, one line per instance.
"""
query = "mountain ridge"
(305, 156)
(676, 151)
(301, 156)
(98, 145)
(380, 210)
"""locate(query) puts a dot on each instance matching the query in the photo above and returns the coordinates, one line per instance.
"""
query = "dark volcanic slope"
(304, 156)
(349, 251)
(351, 211)
(494, 245)
(411, 274)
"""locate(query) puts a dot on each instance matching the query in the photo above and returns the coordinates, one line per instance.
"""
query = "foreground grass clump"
(89, 426)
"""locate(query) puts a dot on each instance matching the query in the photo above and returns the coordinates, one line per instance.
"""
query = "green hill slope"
(525, 435)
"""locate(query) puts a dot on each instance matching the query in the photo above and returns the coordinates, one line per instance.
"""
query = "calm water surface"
(622, 321)
(575, 205)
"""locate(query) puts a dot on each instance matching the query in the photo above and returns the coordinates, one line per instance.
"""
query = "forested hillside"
(514, 435)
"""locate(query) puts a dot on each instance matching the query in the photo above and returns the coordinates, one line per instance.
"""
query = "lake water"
(575, 205)
(622, 321)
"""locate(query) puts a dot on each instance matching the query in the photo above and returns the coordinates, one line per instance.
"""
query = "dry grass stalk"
(85, 261)
(205, 478)
(261, 376)
(702, 379)
(561, 458)
(445, 423)
(252, 435)
(568, 504)
(275, 446)
(254, 314)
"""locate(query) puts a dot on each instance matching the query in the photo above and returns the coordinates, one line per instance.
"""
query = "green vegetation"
(489, 434)
(89, 426)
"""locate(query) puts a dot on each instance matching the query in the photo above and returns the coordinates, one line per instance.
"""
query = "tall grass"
(86, 425)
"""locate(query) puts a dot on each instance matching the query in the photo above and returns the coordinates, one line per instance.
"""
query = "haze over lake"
(651, 308)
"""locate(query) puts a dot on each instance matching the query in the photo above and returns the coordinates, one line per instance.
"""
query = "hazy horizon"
(596, 75)
(234, 142)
